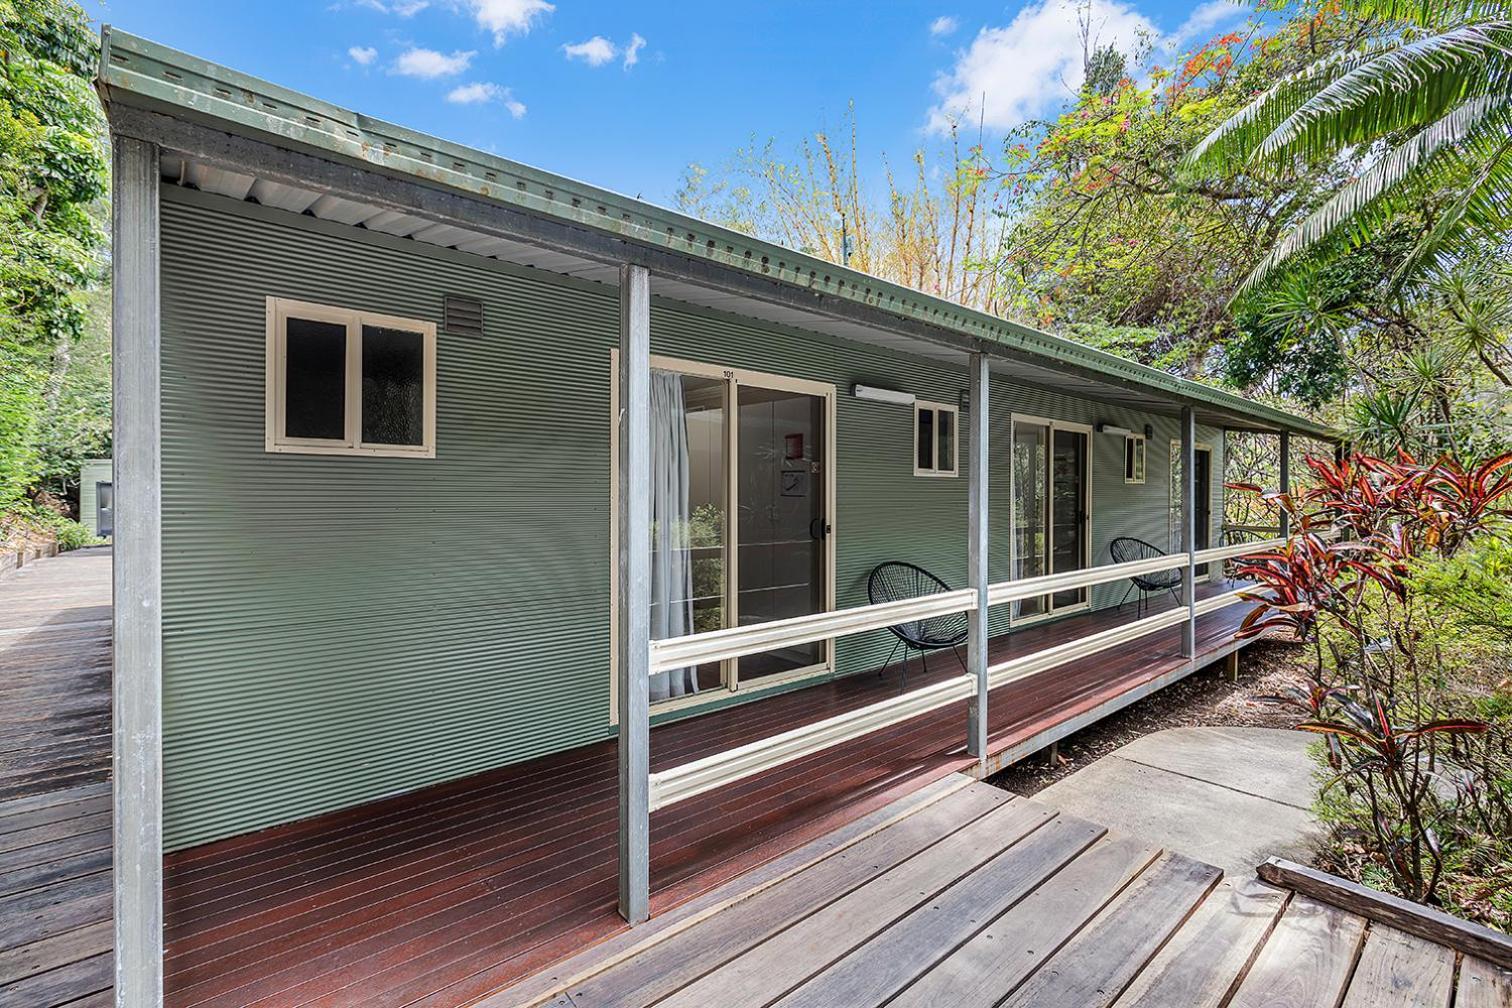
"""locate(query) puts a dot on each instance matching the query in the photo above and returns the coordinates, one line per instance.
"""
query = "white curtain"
(671, 561)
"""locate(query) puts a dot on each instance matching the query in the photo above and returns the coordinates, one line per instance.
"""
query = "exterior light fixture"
(883, 395)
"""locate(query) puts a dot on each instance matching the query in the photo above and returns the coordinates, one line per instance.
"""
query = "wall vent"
(462, 316)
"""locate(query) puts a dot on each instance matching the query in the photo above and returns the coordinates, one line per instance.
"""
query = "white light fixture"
(883, 395)
(1106, 428)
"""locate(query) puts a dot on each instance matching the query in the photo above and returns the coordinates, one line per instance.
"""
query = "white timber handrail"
(1049, 584)
(736, 642)
(1237, 550)
(719, 769)
(1083, 647)
(1215, 602)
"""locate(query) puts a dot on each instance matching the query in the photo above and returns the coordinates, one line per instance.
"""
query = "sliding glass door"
(762, 442)
(1051, 479)
(782, 521)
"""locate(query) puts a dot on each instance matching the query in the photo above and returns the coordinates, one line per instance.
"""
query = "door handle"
(819, 528)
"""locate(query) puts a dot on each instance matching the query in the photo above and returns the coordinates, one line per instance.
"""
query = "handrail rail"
(716, 770)
(1048, 584)
(1048, 658)
(1215, 602)
(1237, 550)
(736, 642)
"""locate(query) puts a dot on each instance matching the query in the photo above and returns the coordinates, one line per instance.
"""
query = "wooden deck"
(965, 896)
(442, 896)
(55, 879)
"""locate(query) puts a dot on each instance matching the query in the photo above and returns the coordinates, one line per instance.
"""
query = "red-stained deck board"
(443, 895)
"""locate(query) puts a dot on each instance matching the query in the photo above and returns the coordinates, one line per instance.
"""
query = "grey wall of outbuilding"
(338, 629)
(92, 473)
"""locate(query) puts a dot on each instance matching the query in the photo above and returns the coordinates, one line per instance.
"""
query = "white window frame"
(1139, 444)
(279, 311)
(955, 440)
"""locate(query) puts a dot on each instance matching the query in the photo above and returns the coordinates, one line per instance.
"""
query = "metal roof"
(791, 288)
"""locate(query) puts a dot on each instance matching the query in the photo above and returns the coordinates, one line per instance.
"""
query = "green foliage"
(1109, 232)
(53, 179)
(1431, 98)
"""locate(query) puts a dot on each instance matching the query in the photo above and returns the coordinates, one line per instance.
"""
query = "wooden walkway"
(55, 878)
(444, 895)
(965, 896)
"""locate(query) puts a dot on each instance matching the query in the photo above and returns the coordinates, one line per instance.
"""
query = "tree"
(936, 232)
(52, 186)
(1431, 100)
(1112, 242)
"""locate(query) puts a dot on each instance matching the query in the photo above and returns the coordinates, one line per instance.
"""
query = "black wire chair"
(1126, 549)
(895, 581)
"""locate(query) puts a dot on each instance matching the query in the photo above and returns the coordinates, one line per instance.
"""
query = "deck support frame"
(1189, 528)
(633, 634)
(979, 537)
(137, 577)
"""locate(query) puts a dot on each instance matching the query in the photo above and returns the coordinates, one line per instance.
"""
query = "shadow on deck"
(444, 895)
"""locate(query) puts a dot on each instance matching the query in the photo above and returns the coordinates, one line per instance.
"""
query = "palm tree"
(1430, 109)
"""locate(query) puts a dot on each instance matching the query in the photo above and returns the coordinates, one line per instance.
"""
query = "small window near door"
(345, 382)
(1134, 459)
(934, 440)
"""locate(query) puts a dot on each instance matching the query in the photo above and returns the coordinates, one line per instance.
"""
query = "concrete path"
(1229, 796)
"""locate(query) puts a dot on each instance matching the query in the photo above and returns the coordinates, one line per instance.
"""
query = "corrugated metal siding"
(91, 473)
(337, 629)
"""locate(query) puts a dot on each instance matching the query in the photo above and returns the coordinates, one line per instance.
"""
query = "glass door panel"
(1030, 526)
(781, 519)
(688, 527)
(1068, 511)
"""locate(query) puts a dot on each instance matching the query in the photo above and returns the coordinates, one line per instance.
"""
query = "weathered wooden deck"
(442, 896)
(55, 855)
(965, 896)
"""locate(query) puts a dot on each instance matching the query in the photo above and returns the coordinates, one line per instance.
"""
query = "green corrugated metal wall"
(337, 629)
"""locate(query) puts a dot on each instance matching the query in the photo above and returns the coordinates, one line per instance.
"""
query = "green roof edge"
(166, 79)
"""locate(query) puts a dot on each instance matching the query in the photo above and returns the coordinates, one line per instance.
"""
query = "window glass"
(925, 437)
(393, 386)
(945, 421)
(315, 380)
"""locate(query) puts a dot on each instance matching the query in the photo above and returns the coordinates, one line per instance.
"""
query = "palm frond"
(1398, 88)
(1365, 203)
(1483, 206)
(1232, 142)
(1426, 13)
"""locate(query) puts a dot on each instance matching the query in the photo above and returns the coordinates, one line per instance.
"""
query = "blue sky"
(626, 95)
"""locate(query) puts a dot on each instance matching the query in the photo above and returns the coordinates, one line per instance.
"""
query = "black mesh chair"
(895, 581)
(1126, 549)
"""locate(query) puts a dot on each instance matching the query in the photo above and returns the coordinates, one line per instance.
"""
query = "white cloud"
(946, 25)
(1011, 74)
(632, 50)
(429, 64)
(1205, 20)
(401, 8)
(362, 55)
(507, 17)
(480, 92)
(595, 52)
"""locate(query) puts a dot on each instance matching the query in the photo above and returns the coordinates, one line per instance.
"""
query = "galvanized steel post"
(979, 537)
(137, 578)
(634, 630)
(1189, 529)
(1285, 480)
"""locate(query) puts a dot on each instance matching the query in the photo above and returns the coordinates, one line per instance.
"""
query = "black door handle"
(823, 528)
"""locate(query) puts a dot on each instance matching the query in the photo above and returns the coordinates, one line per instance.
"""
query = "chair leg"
(1126, 595)
(903, 679)
(882, 669)
(959, 657)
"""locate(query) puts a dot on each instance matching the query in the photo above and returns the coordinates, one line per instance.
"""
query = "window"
(934, 440)
(1134, 458)
(343, 382)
